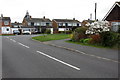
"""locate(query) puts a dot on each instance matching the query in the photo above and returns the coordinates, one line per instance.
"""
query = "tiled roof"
(118, 3)
(27, 27)
(38, 20)
(5, 18)
(115, 4)
(66, 20)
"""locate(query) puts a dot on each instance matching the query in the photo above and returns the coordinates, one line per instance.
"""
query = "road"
(25, 58)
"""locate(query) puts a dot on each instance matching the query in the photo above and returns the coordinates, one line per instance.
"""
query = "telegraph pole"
(95, 11)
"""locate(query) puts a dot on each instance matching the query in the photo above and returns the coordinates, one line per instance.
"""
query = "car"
(16, 32)
(26, 32)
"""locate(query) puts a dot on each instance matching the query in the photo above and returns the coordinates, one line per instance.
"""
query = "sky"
(55, 9)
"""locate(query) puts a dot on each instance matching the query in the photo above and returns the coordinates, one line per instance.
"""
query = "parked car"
(16, 32)
(26, 32)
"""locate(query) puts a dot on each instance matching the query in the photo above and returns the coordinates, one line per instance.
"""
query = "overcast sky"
(54, 9)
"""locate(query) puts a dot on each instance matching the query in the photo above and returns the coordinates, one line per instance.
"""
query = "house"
(39, 24)
(60, 25)
(16, 26)
(87, 23)
(113, 16)
(5, 25)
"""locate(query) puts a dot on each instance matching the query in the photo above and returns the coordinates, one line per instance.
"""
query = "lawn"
(51, 37)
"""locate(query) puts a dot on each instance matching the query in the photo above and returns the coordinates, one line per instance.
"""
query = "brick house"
(40, 24)
(65, 24)
(5, 25)
(113, 16)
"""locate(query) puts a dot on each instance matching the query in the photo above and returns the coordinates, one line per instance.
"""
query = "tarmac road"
(25, 58)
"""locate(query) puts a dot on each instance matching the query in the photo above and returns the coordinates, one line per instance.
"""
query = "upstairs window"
(6, 22)
(47, 24)
(32, 23)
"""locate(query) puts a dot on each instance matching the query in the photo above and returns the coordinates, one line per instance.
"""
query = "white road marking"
(23, 45)
(58, 60)
(13, 40)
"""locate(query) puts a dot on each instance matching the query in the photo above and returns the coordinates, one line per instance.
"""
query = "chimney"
(73, 18)
(30, 16)
(1, 15)
(43, 17)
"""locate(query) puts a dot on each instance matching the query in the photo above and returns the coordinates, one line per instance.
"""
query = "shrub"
(82, 40)
(87, 40)
(48, 31)
(109, 39)
(95, 39)
(79, 33)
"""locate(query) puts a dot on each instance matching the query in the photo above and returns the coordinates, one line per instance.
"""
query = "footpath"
(101, 53)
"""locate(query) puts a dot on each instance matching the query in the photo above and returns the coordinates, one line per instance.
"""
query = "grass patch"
(7, 35)
(97, 46)
(51, 37)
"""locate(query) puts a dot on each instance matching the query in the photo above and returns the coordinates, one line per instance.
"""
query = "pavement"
(110, 54)
(23, 57)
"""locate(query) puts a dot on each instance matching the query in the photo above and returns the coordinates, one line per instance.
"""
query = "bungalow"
(113, 16)
(40, 24)
(65, 24)
(5, 24)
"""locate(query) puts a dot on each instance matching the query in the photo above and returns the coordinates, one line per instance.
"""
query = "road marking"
(23, 45)
(58, 60)
(13, 40)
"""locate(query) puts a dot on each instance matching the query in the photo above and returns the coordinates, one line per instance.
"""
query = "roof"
(5, 18)
(16, 23)
(38, 20)
(66, 20)
(115, 4)
(27, 27)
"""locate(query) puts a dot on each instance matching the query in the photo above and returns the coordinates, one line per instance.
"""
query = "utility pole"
(91, 16)
(95, 11)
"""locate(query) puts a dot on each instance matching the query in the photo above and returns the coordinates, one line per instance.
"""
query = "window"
(29, 24)
(66, 24)
(77, 25)
(115, 26)
(47, 24)
(69, 24)
(32, 23)
(6, 22)
(74, 24)
(60, 24)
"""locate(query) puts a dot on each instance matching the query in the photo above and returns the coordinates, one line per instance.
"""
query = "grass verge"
(51, 37)
(7, 35)
(97, 46)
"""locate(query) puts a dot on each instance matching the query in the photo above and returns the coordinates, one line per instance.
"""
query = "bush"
(79, 33)
(109, 39)
(48, 31)
(95, 39)
(87, 40)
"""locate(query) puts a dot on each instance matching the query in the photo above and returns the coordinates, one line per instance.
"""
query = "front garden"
(98, 35)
